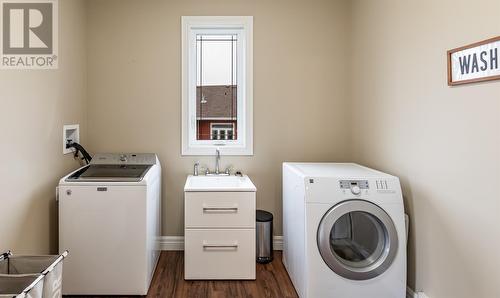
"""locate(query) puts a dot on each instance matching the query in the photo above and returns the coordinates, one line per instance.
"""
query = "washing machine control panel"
(123, 159)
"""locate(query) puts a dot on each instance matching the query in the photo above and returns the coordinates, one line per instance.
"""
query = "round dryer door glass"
(357, 239)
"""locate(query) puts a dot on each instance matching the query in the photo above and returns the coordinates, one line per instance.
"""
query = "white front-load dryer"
(344, 231)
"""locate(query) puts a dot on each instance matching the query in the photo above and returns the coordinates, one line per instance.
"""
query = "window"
(222, 131)
(217, 85)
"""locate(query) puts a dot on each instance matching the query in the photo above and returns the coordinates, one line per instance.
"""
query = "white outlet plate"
(70, 132)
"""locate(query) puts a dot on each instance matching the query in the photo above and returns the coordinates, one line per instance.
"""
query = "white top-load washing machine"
(344, 231)
(109, 220)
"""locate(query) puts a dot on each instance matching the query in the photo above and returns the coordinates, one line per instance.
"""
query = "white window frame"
(243, 27)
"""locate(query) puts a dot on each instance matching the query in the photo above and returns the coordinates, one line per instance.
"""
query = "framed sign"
(477, 62)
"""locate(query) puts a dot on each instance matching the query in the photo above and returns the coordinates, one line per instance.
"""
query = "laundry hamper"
(31, 276)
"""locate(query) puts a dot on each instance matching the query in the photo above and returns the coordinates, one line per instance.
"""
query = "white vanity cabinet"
(219, 235)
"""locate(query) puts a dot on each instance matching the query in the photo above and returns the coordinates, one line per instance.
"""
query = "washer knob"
(355, 190)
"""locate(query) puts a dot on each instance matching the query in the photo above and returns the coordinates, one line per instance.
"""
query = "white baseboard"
(278, 242)
(412, 294)
(177, 243)
(172, 243)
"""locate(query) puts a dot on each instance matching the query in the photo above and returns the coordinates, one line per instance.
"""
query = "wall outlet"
(70, 132)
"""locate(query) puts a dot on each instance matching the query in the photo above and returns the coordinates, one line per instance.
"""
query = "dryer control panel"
(347, 184)
(356, 186)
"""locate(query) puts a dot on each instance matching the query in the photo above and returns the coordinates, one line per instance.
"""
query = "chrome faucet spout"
(217, 161)
(195, 170)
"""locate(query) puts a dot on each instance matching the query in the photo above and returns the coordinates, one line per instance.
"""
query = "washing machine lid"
(115, 167)
(110, 173)
(357, 239)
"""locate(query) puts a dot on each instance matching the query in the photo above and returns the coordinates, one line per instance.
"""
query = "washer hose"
(79, 148)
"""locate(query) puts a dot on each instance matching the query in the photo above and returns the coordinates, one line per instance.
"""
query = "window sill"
(210, 150)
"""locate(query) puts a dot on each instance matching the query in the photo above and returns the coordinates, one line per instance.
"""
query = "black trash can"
(264, 236)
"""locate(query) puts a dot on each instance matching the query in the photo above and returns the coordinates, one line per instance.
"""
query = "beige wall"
(299, 88)
(35, 106)
(122, 84)
(443, 142)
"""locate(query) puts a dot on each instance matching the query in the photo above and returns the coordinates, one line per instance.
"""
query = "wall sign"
(28, 34)
(476, 62)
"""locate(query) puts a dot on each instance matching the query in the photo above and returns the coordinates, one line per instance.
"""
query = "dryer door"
(357, 239)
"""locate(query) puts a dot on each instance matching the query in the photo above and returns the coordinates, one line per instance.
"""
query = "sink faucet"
(217, 171)
(195, 170)
(217, 161)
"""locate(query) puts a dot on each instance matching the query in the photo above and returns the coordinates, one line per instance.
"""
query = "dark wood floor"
(168, 281)
(272, 281)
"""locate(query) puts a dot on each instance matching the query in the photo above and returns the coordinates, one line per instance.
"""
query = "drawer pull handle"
(220, 246)
(220, 209)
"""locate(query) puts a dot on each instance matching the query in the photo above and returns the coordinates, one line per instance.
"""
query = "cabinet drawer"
(219, 209)
(219, 254)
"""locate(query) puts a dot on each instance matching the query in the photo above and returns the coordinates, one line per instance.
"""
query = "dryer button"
(355, 190)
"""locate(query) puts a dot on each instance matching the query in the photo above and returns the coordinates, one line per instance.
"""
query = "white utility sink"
(219, 228)
(219, 183)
